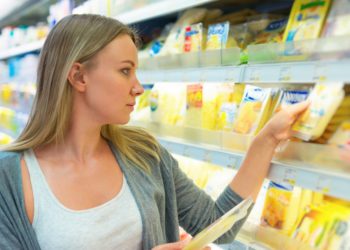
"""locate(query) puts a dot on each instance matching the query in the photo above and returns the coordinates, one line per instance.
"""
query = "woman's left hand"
(279, 128)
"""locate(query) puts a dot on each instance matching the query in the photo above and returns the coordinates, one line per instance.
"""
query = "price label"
(255, 75)
(204, 76)
(230, 75)
(185, 76)
(323, 185)
(290, 176)
(285, 74)
(207, 157)
(232, 162)
(186, 151)
(320, 73)
(165, 76)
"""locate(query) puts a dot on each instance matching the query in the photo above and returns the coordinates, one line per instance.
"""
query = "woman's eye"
(125, 71)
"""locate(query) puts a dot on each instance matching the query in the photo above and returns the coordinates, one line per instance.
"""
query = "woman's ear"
(76, 77)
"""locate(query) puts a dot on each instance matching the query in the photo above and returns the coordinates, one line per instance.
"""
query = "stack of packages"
(307, 217)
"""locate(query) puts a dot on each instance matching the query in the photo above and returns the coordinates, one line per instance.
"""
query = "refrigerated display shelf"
(322, 168)
(158, 9)
(289, 72)
(298, 173)
(23, 49)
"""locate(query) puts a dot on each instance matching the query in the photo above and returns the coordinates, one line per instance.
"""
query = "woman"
(77, 179)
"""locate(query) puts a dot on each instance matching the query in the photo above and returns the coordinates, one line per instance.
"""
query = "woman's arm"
(255, 167)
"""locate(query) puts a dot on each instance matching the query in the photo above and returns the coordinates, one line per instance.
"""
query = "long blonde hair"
(77, 38)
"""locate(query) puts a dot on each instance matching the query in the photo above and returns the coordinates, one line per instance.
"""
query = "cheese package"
(194, 104)
(323, 226)
(338, 20)
(218, 36)
(210, 105)
(175, 41)
(281, 207)
(325, 100)
(167, 103)
(290, 97)
(228, 105)
(253, 111)
(194, 38)
(273, 33)
(306, 19)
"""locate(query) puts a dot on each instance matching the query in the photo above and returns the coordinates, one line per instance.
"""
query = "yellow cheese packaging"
(194, 104)
(325, 100)
(194, 38)
(253, 111)
(281, 207)
(306, 19)
(167, 103)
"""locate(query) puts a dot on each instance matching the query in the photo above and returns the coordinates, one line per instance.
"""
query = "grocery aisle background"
(214, 72)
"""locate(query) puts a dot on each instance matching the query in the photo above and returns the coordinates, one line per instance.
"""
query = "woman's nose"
(137, 89)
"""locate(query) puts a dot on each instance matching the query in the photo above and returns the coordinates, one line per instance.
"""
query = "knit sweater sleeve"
(15, 229)
(196, 209)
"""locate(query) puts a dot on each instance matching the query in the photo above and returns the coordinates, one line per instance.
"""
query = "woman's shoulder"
(8, 159)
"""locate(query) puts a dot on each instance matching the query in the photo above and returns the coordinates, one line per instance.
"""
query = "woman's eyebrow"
(128, 61)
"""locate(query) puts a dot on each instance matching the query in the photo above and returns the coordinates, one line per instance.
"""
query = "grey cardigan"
(165, 197)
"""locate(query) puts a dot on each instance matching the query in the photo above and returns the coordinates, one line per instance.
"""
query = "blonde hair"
(77, 38)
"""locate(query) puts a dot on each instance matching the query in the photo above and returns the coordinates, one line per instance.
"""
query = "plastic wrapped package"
(270, 31)
(175, 41)
(253, 111)
(167, 103)
(194, 105)
(306, 19)
(229, 99)
(218, 36)
(289, 97)
(325, 100)
(281, 207)
(194, 38)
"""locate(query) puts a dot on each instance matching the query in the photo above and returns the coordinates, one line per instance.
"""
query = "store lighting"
(8, 6)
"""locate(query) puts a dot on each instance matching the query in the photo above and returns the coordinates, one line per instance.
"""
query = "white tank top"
(115, 224)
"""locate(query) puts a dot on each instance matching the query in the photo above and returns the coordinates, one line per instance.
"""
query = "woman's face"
(112, 85)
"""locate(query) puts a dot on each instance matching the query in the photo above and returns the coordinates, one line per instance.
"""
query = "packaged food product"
(338, 20)
(175, 41)
(281, 207)
(325, 99)
(290, 97)
(218, 36)
(272, 33)
(253, 111)
(194, 105)
(229, 99)
(194, 38)
(167, 103)
(306, 19)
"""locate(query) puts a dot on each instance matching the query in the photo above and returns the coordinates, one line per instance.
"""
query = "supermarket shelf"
(158, 9)
(326, 181)
(313, 166)
(8, 132)
(290, 72)
(21, 49)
